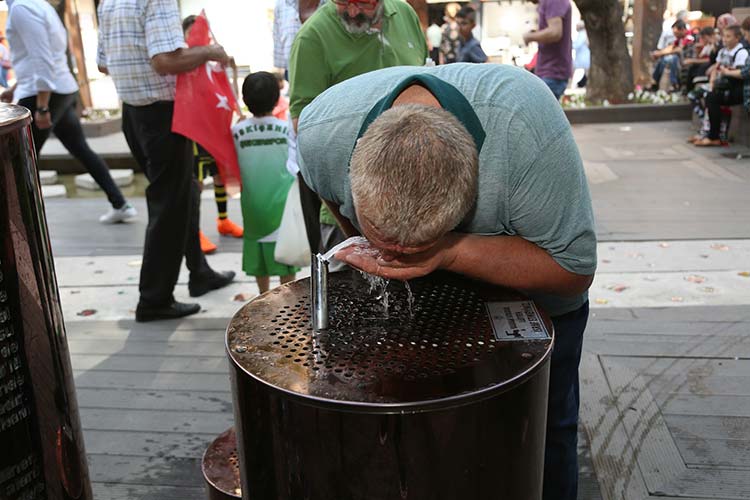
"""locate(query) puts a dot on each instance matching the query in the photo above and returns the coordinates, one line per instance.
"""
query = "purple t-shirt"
(555, 59)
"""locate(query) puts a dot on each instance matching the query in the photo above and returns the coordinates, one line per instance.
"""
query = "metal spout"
(319, 292)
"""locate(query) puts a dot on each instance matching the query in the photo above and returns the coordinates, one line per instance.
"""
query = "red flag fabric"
(204, 105)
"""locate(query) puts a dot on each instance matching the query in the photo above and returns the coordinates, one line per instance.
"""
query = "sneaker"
(207, 246)
(228, 228)
(123, 214)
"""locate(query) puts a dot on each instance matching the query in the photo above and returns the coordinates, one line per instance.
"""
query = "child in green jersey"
(261, 143)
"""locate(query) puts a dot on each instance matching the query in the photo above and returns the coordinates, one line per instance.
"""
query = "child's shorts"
(257, 260)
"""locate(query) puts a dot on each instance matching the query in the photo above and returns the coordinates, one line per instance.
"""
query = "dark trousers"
(172, 197)
(694, 71)
(311, 214)
(715, 100)
(561, 453)
(67, 128)
(435, 55)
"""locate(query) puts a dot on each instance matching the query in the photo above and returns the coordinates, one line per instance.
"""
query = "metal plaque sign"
(518, 320)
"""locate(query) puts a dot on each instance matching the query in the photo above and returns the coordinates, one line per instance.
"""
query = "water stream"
(378, 285)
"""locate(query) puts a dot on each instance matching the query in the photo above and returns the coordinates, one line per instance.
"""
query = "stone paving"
(665, 376)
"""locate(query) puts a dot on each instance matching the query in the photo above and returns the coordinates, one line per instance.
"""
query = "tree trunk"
(611, 74)
(648, 16)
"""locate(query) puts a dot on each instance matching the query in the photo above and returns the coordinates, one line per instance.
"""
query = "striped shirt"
(131, 32)
(286, 24)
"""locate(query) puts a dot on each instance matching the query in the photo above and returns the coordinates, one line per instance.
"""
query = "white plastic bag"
(292, 247)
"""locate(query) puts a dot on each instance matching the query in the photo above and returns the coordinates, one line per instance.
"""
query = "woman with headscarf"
(451, 35)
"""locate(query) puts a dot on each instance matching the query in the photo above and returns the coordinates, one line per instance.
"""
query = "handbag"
(722, 83)
(292, 247)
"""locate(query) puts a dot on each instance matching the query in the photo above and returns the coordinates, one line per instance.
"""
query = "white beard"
(366, 27)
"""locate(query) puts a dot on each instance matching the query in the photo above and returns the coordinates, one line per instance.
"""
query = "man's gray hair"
(414, 174)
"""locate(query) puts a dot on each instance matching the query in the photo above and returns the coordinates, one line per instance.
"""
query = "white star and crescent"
(223, 102)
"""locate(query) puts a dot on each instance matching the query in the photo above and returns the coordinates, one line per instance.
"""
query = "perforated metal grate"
(440, 346)
(447, 328)
(221, 467)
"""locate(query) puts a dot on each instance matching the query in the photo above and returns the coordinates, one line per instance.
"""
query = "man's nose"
(352, 9)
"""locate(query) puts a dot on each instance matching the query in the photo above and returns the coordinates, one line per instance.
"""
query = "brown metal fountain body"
(445, 398)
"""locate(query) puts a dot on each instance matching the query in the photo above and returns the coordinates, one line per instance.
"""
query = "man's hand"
(218, 54)
(43, 120)
(7, 95)
(553, 33)
(404, 266)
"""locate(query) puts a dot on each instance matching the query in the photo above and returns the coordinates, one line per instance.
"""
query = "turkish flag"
(204, 104)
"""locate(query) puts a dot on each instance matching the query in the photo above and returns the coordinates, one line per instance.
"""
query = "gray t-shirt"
(531, 179)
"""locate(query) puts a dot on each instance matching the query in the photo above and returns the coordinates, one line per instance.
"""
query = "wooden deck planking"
(166, 364)
(709, 427)
(151, 399)
(108, 379)
(723, 453)
(738, 347)
(134, 347)
(121, 491)
(154, 471)
(147, 444)
(650, 327)
(125, 419)
(705, 405)
(670, 315)
(693, 365)
(167, 400)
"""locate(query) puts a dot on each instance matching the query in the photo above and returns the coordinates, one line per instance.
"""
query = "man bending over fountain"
(471, 169)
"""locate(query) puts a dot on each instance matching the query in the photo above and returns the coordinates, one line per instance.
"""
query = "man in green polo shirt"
(471, 168)
(343, 39)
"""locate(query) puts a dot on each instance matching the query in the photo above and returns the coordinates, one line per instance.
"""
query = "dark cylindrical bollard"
(41, 445)
(434, 392)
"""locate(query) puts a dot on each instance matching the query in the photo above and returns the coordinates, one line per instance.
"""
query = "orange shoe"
(207, 246)
(228, 228)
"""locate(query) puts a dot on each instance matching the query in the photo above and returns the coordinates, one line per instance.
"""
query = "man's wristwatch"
(42, 111)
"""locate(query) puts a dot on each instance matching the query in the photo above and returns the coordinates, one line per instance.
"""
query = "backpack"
(724, 82)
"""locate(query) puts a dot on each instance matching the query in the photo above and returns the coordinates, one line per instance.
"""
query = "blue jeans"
(556, 86)
(4, 77)
(561, 453)
(673, 61)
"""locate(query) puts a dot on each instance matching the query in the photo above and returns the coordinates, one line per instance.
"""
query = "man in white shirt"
(434, 37)
(45, 86)
(142, 46)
